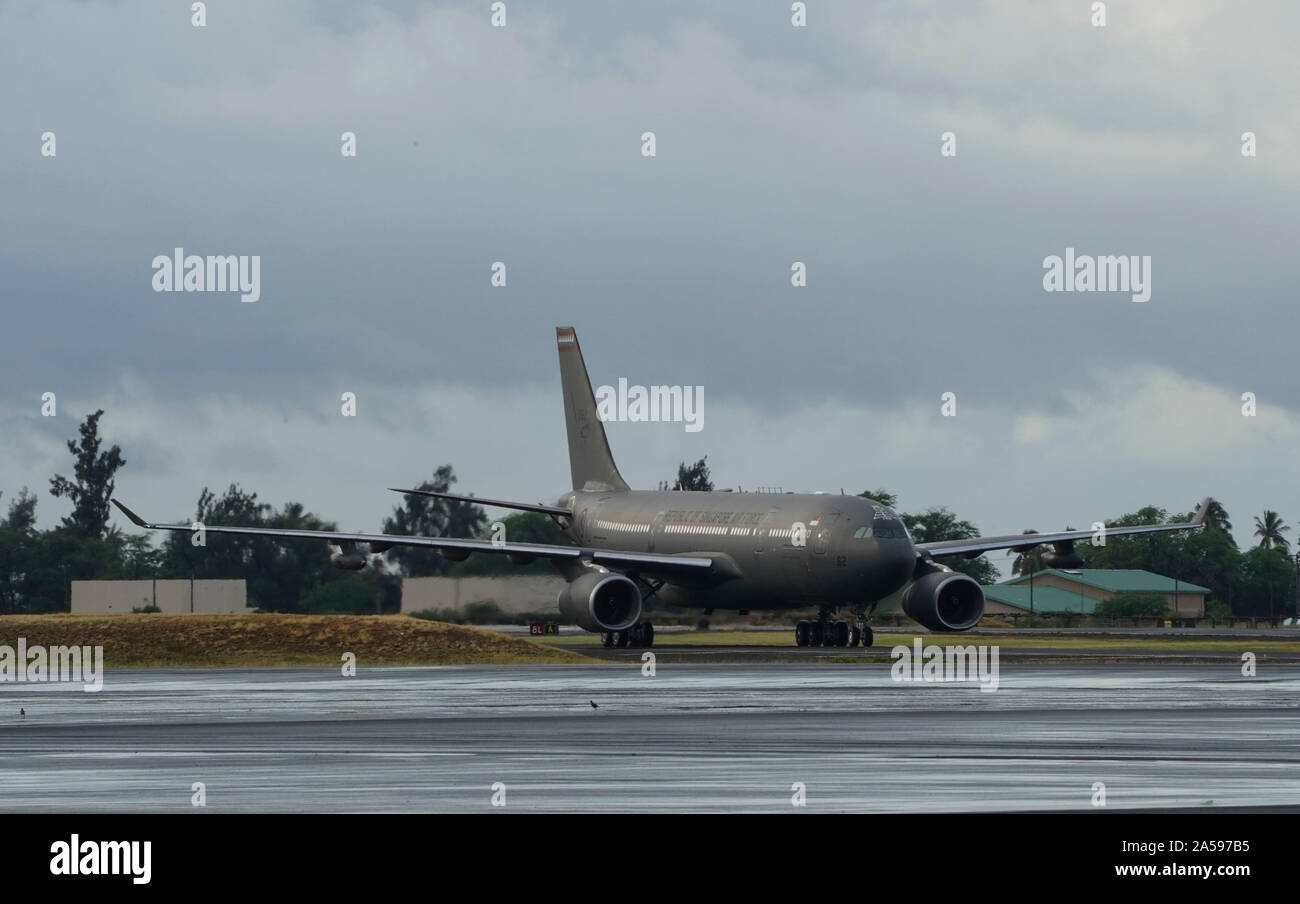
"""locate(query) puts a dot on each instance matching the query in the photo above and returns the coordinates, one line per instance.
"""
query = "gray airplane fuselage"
(854, 551)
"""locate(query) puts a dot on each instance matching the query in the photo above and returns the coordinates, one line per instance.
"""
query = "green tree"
(1270, 530)
(279, 572)
(367, 592)
(1268, 582)
(1217, 610)
(940, 523)
(220, 556)
(883, 496)
(134, 557)
(18, 540)
(429, 516)
(56, 557)
(1207, 557)
(1148, 605)
(22, 511)
(1216, 517)
(691, 477)
(1029, 561)
(1152, 552)
(91, 490)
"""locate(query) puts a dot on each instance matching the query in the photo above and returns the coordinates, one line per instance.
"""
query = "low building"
(183, 596)
(1059, 591)
(513, 594)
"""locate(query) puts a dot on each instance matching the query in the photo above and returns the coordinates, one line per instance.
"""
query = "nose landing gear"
(861, 631)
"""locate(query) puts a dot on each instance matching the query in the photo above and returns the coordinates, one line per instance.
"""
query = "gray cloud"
(775, 144)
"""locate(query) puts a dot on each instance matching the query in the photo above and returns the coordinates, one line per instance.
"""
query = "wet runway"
(693, 737)
(750, 654)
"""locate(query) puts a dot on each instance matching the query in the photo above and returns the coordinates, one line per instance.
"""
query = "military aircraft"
(714, 550)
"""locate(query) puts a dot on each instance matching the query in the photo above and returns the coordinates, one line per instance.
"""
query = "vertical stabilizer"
(590, 462)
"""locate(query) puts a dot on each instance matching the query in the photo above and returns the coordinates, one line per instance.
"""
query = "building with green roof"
(1079, 590)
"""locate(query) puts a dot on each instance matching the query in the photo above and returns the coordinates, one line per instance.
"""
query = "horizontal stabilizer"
(499, 503)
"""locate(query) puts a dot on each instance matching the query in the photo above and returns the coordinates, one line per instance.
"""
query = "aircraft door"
(760, 533)
(822, 540)
(821, 533)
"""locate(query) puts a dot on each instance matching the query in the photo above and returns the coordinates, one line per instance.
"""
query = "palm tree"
(1216, 517)
(1270, 530)
(1028, 561)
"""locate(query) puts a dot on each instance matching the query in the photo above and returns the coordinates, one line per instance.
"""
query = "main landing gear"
(822, 632)
(641, 634)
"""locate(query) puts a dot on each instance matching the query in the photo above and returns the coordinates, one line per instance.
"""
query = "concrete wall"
(1188, 604)
(523, 593)
(114, 597)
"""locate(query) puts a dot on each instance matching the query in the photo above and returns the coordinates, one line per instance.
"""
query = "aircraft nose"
(898, 562)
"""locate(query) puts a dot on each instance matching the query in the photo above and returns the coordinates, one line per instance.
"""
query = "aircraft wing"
(612, 558)
(1024, 542)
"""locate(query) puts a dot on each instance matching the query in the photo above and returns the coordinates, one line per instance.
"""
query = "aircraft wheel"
(635, 636)
(867, 637)
(854, 636)
(841, 634)
(814, 634)
(801, 632)
(647, 635)
(621, 639)
(607, 638)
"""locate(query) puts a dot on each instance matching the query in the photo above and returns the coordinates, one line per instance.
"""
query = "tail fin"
(590, 461)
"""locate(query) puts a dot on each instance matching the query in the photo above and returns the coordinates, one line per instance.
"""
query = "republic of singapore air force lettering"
(715, 550)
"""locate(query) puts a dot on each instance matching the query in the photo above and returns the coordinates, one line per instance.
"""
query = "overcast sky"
(774, 144)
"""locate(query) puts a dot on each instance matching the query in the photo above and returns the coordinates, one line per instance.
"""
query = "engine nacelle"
(1063, 555)
(601, 601)
(944, 600)
(349, 561)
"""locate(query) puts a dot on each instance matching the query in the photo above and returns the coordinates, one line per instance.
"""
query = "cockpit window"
(861, 532)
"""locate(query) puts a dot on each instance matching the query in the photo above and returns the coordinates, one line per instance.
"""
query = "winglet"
(135, 519)
(1201, 510)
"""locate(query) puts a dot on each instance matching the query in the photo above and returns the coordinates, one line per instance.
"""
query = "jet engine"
(601, 601)
(944, 600)
(347, 558)
(349, 561)
(1063, 555)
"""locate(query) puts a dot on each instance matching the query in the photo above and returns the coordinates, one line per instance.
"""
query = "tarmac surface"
(1079, 645)
(755, 654)
(691, 738)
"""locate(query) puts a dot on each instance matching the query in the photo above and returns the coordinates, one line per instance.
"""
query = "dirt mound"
(275, 639)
